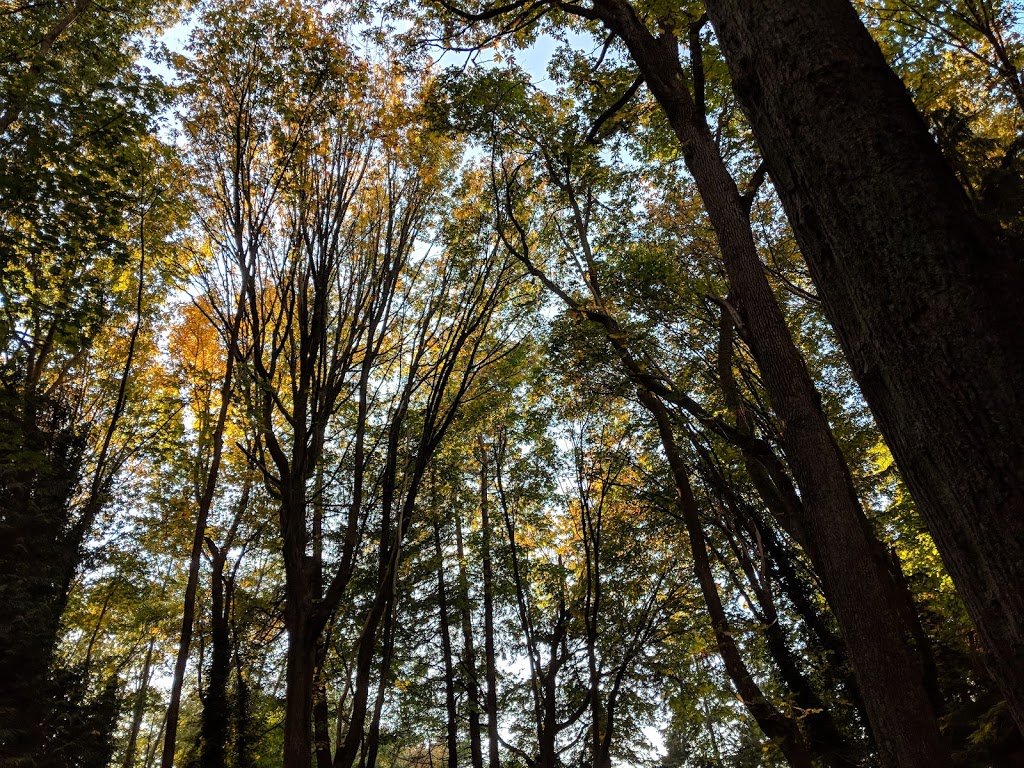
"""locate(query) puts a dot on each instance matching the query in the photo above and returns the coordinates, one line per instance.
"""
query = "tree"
(853, 566)
(383, 415)
(940, 364)
(88, 206)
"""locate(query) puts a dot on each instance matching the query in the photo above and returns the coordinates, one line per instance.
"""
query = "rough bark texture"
(927, 307)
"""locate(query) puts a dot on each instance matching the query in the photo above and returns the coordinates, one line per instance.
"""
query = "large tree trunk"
(35, 561)
(925, 303)
(321, 718)
(300, 673)
(216, 719)
(852, 565)
(302, 627)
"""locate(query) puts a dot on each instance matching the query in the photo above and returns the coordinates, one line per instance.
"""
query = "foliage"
(369, 338)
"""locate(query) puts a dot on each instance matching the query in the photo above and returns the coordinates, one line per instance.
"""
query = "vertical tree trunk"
(321, 719)
(140, 706)
(851, 563)
(300, 621)
(446, 656)
(469, 654)
(490, 666)
(188, 615)
(202, 516)
(927, 307)
(216, 712)
(300, 674)
(154, 744)
(245, 737)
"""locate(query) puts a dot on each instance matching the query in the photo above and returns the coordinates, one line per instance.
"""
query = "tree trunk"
(782, 560)
(490, 666)
(300, 665)
(823, 734)
(371, 744)
(446, 657)
(198, 537)
(775, 725)
(349, 747)
(469, 656)
(926, 305)
(245, 735)
(851, 563)
(321, 720)
(140, 706)
(216, 712)
(298, 716)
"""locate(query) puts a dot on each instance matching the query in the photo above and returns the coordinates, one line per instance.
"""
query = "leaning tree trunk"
(926, 304)
(775, 725)
(852, 565)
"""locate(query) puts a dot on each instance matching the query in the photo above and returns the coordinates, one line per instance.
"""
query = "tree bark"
(823, 734)
(321, 720)
(216, 713)
(925, 303)
(198, 537)
(300, 674)
(140, 706)
(371, 744)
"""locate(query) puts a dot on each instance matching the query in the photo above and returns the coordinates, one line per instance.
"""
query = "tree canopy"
(529, 385)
